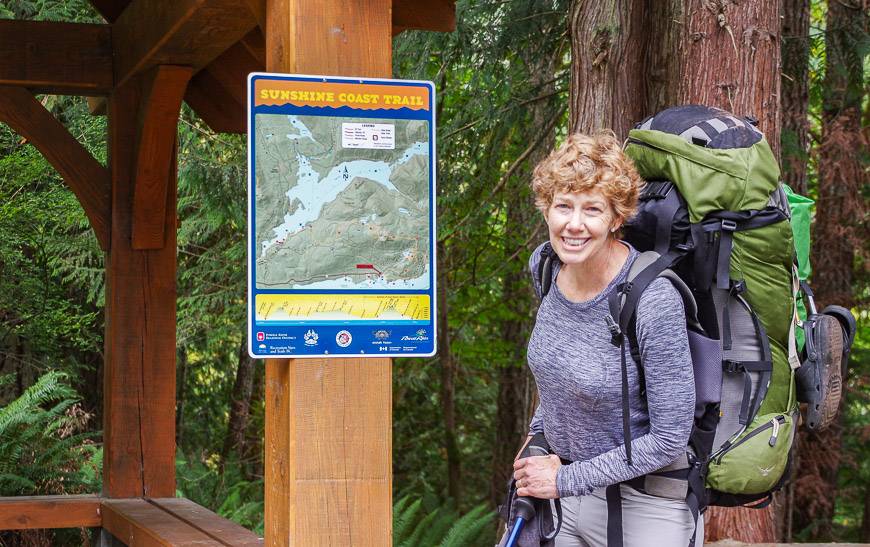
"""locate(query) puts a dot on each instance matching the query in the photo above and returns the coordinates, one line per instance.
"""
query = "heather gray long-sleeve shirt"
(577, 370)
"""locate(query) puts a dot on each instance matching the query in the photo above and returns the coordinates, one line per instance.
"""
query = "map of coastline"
(341, 203)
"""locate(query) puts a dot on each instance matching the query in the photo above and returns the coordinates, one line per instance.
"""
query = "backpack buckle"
(615, 331)
(729, 225)
(737, 287)
(729, 365)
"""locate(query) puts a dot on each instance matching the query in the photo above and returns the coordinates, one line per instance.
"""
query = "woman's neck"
(582, 282)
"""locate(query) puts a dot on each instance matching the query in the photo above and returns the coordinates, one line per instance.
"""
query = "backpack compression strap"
(712, 254)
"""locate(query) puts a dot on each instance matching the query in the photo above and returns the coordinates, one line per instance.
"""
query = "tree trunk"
(840, 212)
(839, 228)
(720, 53)
(795, 93)
(794, 143)
(180, 390)
(607, 76)
(240, 405)
(728, 55)
(253, 454)
(714, 52)
(448, 387)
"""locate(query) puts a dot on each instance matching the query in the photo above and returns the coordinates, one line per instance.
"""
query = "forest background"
(504, 81)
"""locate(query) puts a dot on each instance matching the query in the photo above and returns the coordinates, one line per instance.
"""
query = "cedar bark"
(794, 143)
(448, 386)
(181, 389)
(714, 52)
(240, 405)
(719, 53)
(795, 93)
(728, 55)
(837, 244)
(607, 66)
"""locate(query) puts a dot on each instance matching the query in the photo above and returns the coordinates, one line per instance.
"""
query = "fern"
(39, 450)
(404, 520)
(467, 529)
(417, 526)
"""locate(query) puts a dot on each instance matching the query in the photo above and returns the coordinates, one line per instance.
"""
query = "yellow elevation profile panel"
(342, 307)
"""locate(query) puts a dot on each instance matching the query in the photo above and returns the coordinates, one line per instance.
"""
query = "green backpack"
(714, 220)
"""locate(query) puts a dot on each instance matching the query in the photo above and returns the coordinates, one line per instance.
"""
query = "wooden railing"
(135, 521)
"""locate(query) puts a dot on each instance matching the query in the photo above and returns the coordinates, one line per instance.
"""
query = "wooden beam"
(226, 531)
(110, 9)
(231, 70)
(59, 58)
(138, 523)
(255, 43)
(164, 87)
(329, 421)
(88, 180)
(214, 105)
(436, 15)
(139, 372)
(176, 32)
(36, 512)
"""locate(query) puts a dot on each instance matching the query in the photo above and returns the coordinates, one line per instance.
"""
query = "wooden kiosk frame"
(328, 423)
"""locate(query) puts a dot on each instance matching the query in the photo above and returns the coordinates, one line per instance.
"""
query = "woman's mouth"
(574, 243)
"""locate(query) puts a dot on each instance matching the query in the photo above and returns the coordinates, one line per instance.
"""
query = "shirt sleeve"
(536, 425)
(670, 395)
(534, 261)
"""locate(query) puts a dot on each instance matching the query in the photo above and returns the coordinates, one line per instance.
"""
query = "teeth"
(573, 241)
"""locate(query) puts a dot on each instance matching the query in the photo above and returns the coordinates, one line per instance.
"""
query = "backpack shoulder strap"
(646, 268)
(545, 268)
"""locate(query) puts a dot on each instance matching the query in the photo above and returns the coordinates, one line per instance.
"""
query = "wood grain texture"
(139, 375)
(329, 421)
(35, 512)
(607, 65)
(84, 175)
(163, 89)
(328, 447)
(280, 449)
(178, 32)
(726, 54)
(214, 104)
(110, 9)
(53, 57)
(217, 527)
(338, 38)
(138, 523)
(437, 15)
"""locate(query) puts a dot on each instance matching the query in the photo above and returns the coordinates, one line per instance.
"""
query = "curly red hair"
(588, 163)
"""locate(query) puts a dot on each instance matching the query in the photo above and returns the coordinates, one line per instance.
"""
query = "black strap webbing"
(614, 516)
(665, 220)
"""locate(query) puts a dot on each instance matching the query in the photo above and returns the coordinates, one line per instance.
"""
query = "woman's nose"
(576, 221)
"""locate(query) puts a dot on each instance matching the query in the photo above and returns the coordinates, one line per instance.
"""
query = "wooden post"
(329, 421)
(139, 378)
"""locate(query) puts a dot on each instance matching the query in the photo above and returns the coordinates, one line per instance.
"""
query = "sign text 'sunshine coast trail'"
(341, 217)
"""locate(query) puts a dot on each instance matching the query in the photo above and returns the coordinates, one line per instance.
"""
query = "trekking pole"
(524, 506)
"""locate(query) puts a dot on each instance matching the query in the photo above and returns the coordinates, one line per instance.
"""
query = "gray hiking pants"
(647, 521)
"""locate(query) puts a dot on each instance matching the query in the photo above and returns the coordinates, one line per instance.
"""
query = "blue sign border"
(373, 338)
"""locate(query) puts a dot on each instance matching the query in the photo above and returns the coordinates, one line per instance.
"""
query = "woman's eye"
(595, 210)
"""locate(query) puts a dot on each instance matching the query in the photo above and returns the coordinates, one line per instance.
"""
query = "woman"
(586, 190)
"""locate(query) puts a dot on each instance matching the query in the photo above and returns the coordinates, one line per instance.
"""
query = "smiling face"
(580, 225)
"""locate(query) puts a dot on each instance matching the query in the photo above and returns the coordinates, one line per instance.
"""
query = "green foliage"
(41, 447)
(225, 491)
(420, 523)
(854, 474)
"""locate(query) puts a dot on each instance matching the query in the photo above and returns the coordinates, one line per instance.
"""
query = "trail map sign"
(341, 217)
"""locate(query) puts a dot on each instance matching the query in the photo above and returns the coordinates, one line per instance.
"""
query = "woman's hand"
(536, 476)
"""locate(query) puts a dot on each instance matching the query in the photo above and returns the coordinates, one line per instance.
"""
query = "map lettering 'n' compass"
(341, 217)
